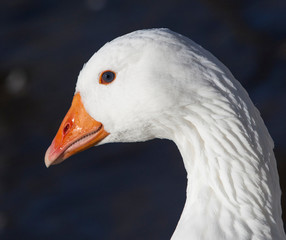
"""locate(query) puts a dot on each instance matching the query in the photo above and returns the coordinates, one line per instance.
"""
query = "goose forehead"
(138, 41)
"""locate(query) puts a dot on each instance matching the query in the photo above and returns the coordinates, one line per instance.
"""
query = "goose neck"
(233, 188)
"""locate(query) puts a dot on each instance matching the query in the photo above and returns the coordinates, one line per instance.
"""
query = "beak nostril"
(66, 128)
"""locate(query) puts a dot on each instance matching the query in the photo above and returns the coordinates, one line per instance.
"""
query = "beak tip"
(47, 163)
(52, 157)
(47, 160)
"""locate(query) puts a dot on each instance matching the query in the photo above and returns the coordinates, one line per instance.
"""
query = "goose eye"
(107, 77)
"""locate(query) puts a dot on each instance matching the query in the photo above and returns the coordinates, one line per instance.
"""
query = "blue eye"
(107, 77)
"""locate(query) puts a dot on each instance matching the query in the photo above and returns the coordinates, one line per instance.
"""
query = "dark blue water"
(117, 191)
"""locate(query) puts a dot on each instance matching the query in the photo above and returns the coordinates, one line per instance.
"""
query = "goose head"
(151, 73)
(159, 84)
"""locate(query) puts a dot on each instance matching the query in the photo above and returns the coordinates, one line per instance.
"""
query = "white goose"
(159, 84)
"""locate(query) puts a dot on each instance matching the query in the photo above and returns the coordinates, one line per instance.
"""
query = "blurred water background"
(116, 191)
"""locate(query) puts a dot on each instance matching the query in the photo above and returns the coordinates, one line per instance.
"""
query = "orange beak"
(77, 132)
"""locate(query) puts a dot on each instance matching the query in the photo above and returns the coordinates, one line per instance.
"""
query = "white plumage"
(167, 86)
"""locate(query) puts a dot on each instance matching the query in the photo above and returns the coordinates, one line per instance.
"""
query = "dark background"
(116, 191)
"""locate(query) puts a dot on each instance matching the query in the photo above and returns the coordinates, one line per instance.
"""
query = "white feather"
(167, 86)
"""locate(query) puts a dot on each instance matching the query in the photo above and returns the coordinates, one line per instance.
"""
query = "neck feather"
(233, 187)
